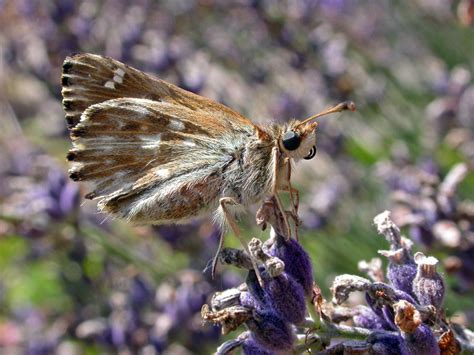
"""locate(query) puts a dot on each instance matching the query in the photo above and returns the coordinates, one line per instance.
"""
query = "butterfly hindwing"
(138, 153)
(151, 150)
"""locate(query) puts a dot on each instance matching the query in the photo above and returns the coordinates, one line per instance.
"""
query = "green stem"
(322, 333)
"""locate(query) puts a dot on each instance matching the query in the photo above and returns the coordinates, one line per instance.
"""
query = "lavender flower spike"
(399, 317)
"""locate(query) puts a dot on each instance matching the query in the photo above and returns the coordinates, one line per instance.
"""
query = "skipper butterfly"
(156, 153)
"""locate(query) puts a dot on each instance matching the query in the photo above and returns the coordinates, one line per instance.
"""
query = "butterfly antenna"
(343, 106)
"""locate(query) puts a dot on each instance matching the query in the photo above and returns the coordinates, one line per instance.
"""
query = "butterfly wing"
(88, 79)
(153, 151)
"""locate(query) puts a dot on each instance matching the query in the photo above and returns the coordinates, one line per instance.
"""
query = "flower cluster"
(449, 114)
(41, 206)
(271, 307)
(437, 217)
(141, 319)
(36, 193)
(403, 314)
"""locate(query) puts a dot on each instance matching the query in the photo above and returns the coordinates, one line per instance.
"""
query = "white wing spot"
(163, 173)
(176, 125)
(189, 143)
(110, 84)
(119, 72)
(118, 79)
(138, 111)
(151, 142)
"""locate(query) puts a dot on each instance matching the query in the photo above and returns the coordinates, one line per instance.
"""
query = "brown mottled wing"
(143, 142)
(88, 79)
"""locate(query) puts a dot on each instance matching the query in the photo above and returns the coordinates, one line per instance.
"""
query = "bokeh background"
(73, 281)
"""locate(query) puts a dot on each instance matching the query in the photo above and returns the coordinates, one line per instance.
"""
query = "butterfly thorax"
(248, 177)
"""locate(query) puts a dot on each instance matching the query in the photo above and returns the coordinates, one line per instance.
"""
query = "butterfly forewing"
(89, 79)
(153, 151)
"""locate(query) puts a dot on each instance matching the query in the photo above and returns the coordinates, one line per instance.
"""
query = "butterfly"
(156, 153)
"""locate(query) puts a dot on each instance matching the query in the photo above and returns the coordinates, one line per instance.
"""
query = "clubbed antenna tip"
(343, 106)
(348, 105)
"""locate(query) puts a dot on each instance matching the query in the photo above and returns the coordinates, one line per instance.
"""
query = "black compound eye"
(291, 140)
(311, 153)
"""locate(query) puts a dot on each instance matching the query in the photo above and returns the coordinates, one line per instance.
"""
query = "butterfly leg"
(294, 194)
(294, 197)
(224, 203)
(275, 190)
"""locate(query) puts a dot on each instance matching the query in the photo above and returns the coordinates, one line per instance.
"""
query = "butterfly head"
(298, 141)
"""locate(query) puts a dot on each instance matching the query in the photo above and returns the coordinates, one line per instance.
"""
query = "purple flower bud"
(247, 300)
(366, 318)
(387, 344)
(421, 341)
(385, 311)
(297, 261)
(271, 331)
(401, 269)
(282, 294)
(379, 311)
(252, 347)
(428, 285)
(286, 297)
(254, 288)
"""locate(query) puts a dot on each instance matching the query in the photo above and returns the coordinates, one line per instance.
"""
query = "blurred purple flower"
(62, 195)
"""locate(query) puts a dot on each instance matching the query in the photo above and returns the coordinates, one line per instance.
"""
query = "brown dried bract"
(317, 298)
(270, 213)
(230, 318)
(344, 285)
(407, 317)
(448, 345)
